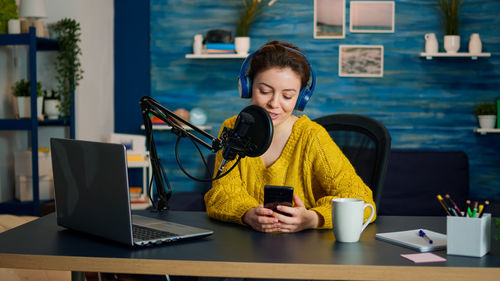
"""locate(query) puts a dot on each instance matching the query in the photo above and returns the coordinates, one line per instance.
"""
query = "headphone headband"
(245, 83)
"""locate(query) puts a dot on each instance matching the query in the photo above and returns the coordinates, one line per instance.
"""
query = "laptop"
(92, 195)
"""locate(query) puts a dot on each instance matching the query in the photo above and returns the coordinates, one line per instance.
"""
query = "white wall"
(94, 97)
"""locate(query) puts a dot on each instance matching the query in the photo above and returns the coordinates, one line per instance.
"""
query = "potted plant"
(486, 113)
(249, 13)
(67, 64)
(449, 10)
(8, 11)
(51, 104)
(21, 90)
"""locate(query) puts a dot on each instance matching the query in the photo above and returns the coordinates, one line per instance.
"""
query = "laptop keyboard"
(145, 233)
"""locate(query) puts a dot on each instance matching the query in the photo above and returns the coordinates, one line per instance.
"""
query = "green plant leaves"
(68, 64)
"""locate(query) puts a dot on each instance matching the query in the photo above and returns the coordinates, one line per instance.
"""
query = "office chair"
(365, 142)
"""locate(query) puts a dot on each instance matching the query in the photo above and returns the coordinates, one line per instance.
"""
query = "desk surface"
(237, 251)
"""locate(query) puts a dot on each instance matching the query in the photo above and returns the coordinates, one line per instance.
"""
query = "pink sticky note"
(424, 257)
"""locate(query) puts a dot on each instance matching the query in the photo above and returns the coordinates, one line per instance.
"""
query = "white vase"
(51, 108)
(487, 121)
(451, 43)
(475, 45)
(242, 45)
(431, 43)
(24, 107)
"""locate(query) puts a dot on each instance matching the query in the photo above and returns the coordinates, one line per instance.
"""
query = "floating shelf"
(429, 56)
(167, 127)
(483, 131)
(216, 56)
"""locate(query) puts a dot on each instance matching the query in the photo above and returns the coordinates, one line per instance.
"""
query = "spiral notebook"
(411, 239)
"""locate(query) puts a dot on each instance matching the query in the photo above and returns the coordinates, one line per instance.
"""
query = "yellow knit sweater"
(310, 162)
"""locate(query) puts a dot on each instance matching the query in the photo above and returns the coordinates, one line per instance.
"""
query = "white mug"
(347, 218)
(431, 43)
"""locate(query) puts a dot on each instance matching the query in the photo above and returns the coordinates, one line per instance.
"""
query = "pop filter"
(261, 131)
(251, 136)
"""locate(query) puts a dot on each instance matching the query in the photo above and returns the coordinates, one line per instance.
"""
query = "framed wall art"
(361, 60)
(329, 19)
(372, 16)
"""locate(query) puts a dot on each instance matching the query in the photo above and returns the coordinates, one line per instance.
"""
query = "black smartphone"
(278, 195)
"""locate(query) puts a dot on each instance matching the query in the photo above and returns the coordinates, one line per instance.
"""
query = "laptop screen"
(91, 188)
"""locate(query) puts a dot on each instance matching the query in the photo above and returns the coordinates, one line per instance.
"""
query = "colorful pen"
(454, 205)
(474, 210)
(469, 212)
(486, 205)
(440, 198)
(422, 234)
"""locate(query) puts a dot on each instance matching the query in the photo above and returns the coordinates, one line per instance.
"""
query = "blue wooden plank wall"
(426, 104)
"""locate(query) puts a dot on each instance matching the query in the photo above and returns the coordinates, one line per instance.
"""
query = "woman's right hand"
(261, 219)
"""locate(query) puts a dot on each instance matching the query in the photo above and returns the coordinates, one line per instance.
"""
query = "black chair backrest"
(365, 142)
(415, 177)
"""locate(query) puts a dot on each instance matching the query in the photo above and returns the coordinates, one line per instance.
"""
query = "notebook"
(411, 239)
(92, 195)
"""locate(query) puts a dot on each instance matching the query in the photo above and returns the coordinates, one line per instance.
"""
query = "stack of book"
(219, 48)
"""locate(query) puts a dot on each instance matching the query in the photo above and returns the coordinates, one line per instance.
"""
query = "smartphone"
(278, 195)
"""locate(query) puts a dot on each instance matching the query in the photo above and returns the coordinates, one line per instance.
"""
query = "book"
(411, 239)
(220, 46)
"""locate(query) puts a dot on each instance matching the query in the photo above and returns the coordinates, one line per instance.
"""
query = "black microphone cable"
(218, 176)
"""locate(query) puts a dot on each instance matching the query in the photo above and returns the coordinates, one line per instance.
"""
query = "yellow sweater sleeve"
(310, 162)
(228, 199)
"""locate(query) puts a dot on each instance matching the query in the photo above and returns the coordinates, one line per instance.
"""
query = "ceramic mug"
(347, 218)
(431, 43)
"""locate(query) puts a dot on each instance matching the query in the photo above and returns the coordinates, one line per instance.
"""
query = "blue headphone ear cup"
(302, 99)
(244, 88)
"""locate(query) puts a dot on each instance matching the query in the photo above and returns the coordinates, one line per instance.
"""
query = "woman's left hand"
(299, 217)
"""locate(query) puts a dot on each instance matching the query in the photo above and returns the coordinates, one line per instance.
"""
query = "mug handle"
(426, 36)
(371, 215)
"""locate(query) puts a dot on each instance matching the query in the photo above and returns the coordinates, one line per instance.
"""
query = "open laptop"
(92, 195)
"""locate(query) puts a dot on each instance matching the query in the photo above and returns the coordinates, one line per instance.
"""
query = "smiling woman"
(301, 155)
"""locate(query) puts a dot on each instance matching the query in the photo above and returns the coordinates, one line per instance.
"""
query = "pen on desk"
(486, 205)
(474, 210)
(454, 205)
(469, 212)
(422, 234)
(440, 198)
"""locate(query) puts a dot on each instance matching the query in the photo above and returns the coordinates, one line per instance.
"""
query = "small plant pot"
(242, 45)
(24, 107)
(51, 108)
(451, 43)
(487, 121)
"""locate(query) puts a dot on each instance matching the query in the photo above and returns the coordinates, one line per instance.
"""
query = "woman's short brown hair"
(279, 54)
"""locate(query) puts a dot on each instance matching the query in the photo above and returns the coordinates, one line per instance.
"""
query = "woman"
(302, 154)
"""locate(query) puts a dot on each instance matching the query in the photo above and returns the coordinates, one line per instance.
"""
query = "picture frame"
(361, 60)
(329, 19)
(372, 16)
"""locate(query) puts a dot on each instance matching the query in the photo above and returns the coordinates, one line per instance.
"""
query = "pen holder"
(468, 236)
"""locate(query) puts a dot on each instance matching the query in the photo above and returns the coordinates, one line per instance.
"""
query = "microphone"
(251, 136)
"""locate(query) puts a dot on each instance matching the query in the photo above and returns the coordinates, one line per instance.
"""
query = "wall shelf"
(484, 131)
(429, 56)
(216, 56)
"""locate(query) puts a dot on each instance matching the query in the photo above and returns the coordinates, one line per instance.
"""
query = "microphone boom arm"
(151, 107)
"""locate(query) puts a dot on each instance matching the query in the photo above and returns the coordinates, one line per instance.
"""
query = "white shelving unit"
(143, 202)
(429, 56)
(216, 56)
(483, 131)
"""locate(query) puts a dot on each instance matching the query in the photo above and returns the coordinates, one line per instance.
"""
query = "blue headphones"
(245, 83)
